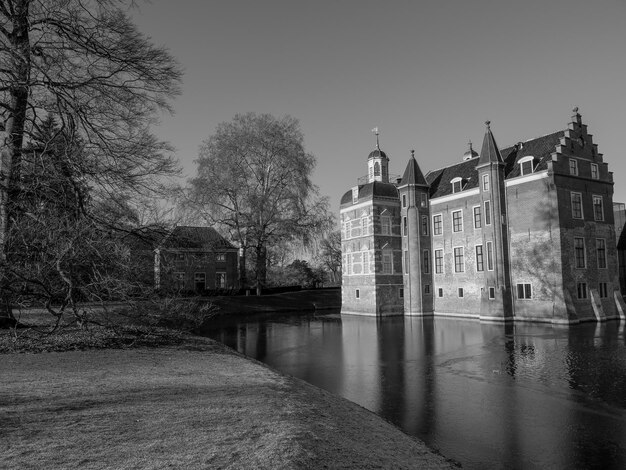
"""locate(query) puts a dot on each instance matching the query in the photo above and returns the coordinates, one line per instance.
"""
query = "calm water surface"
(486, 395)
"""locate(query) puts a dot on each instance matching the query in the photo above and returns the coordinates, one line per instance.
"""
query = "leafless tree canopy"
(254, 180)
(85, 64)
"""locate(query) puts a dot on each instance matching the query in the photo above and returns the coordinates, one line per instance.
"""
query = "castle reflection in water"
(486, 395)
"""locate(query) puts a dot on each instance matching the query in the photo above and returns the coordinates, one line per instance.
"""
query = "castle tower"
(371, 245)
(414, 227)
(377, 164)
(496, 302)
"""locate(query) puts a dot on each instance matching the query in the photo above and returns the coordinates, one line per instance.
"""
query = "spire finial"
(470, 145)
(575, 110)
(375, 131)
(488, 123)
(412, 153)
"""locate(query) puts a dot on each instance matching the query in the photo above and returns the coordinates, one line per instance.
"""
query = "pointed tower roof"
(413, 174)
(489, 152)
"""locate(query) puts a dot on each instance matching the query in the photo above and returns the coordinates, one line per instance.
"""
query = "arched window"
(457, 184)
(376, 169)
(526, 165)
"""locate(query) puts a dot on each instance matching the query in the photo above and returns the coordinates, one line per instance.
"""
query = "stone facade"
(526, 233)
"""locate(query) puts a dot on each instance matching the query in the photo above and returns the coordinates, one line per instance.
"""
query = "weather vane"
(375, 131)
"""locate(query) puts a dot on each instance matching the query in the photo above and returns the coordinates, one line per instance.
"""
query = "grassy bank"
(196, 405)
(305, 300)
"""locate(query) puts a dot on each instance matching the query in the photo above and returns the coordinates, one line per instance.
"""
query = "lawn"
(195, 405)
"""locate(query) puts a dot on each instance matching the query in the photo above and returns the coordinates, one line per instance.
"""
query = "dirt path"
(197, 406)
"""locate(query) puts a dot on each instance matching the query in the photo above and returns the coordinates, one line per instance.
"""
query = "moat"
(485, 395)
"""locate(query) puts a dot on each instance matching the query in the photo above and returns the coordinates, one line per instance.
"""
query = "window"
(457, 185)
(200, 281)
(526, 165)
(385, 223)
(440, 292)
(524, 291)
(387, 263)
(598, 208)
(401, 292)
(356, 269)
(426, 261)
(581, 290)
(480, 266)
(601, 252)
(492, 293)
(355, 195)
(437, 228)
(477, 217)
(404, 200)
(485, 182)
(405, 228)
(366, 262)
(490, 256)
(220, 280)
(457, 221)
(424, 225)
(438, 261)
(603, 290)
(460, 292)
(579, 252)
(577, 205)
(347, 229)
(221, 257)
(376, 169)
(406, 261)
(487, 212)
(424, 200)
(349, 264)
(459, 265)
(179, 280)
(426, 288)
(364, 226)
(357, 293)
(594, 171)
(573, 167)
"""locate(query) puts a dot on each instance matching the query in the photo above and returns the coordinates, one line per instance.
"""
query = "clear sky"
(427, 73)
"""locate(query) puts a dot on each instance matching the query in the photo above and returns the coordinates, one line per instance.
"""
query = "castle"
(524, 233)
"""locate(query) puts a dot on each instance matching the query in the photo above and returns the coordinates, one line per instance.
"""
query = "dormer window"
(573, 167)
(526, 165)
(594, 171)
(457, 185)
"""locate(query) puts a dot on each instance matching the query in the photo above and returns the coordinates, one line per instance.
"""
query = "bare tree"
(329, 256)
(254, 181)
(85, 63)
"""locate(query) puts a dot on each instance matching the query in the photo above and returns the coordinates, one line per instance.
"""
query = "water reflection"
(487, 395)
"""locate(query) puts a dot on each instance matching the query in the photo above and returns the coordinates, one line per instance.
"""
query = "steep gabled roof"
(439, 180)
(413, 174)
(199, 238)
(541, 148)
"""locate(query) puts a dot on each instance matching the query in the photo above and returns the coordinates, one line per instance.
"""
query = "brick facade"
(526, 233)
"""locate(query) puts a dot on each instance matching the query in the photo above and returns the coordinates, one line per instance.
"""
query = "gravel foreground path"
(195, 406)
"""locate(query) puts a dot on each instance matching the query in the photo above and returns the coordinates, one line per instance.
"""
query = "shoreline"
(196, 404)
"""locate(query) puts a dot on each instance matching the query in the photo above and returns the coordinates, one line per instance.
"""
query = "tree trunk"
(261, 268)
(243, 279)
(12, 146)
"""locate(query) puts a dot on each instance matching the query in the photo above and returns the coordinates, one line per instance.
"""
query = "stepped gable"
(413, 174)
(541, 148)
(369, 190)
